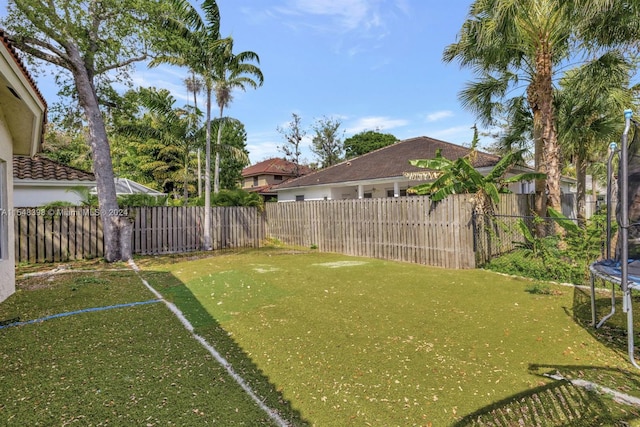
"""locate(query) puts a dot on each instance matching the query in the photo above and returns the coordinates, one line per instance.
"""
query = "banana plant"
(460, 177)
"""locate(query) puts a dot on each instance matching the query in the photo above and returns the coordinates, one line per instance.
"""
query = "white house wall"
(7, 265)
(310, 193)
(377, 189)
(22, 114)
(32, 195)
(381, 189)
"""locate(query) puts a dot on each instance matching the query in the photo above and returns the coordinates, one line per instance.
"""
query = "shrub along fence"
(411, 229)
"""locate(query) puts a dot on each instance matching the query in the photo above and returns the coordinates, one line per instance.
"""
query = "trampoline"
(623, 269)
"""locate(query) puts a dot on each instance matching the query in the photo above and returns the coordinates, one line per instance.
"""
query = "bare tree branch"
(27, 45)
(122, 64)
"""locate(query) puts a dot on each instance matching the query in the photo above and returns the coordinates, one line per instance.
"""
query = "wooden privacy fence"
(159, 230)
(67, 233)
(411, 229)
(57, 234)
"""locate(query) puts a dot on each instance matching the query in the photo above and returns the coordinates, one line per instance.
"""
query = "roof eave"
(25, 108)
(27, 182)
(390, 179)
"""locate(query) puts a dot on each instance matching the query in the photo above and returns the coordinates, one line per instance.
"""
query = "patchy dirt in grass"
(264, 268)
(53, 267)
(75, 278)
(340, 264)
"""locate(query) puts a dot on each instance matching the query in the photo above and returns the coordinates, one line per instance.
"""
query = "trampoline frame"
(622, 281)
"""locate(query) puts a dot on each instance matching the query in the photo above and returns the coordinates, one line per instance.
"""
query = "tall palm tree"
(170, 133)
(197, 47)
(588, 112)
(232, 71)
(508, 42)
(194, 85)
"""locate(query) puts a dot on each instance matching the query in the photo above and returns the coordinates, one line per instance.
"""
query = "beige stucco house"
(22, 117)
(263, 176)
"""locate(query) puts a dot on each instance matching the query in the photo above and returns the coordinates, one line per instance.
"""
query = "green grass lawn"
(354, 341)
(324, 339)
(128, 366)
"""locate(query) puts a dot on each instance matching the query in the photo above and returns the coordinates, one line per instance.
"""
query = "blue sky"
(372, 64)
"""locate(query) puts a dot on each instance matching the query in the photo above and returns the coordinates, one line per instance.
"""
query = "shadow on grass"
(560, 402)
(613, 333)
(207, 327)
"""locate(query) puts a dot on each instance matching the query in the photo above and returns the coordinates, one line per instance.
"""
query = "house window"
(255, 181)
(277, 177)
(300, 198)
(4, 214)
(391, 194)
(368, 195)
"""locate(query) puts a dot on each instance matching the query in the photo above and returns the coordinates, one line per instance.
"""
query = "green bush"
(236, 197)
(552, 266)
(553, 258)
(141, 200)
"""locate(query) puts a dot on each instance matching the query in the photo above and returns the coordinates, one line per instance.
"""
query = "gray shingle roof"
(41, 168)
(387, 162)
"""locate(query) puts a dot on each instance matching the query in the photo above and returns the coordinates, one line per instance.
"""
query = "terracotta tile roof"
(387, 162)
(7, 43)
(275, 166)
(41, 168)
(261, 189)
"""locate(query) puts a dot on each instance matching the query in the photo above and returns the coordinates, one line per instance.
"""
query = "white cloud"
(375, 123)
(439, 115)
(456, 134)
(349, 14)
(403, 5)
(341, 15)
(264, 145)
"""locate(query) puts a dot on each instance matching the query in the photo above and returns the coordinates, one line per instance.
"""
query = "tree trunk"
(216, 174)
(116, 227)
(185, 186)
(540, 93)
(540, 196)
(206, 235)
(199, 175)
(551, 156)
(581, 183)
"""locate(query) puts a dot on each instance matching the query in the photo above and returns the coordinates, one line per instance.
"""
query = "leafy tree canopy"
(366, 141)
(109, 35)
(95, 43)
(161, 139)
(67, 147)
(234, 155)
(326, 143)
